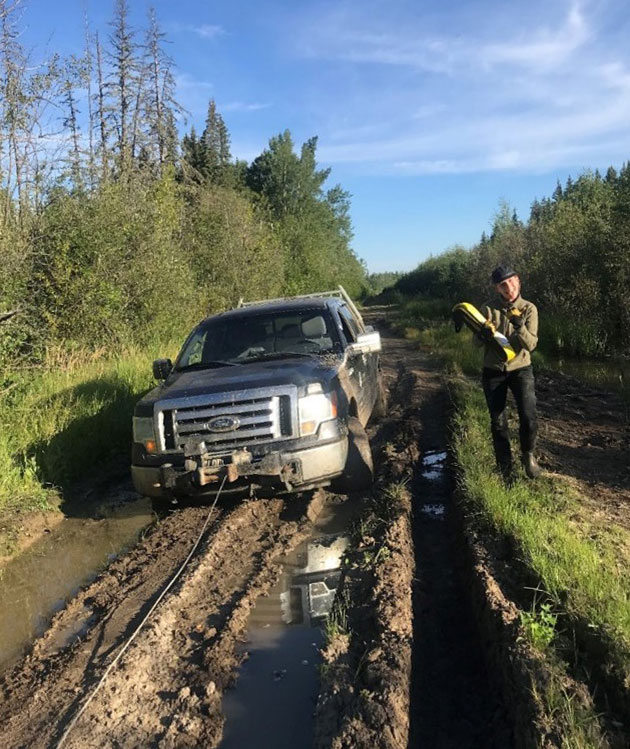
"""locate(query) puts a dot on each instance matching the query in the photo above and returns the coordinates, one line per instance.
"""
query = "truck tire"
(358, 474)
(380, 404)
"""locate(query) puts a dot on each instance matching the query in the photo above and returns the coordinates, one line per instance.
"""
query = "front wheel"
(358, 474)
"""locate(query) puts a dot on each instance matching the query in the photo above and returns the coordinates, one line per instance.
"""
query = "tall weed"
(58, 425)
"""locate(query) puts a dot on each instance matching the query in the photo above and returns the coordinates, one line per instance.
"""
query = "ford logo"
(223, 424)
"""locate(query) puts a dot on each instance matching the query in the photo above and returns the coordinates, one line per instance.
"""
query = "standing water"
(39, 582)
(273, 702)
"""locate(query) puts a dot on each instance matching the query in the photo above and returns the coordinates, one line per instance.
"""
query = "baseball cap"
(501, 273)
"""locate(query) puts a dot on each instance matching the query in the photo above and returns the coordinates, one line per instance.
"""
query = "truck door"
(358, 366)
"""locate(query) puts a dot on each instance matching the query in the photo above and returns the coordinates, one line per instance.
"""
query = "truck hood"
(299, 371)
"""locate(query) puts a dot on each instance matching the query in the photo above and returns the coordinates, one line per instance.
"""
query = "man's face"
(510, 288)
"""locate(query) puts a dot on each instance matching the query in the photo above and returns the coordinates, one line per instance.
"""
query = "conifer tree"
(124, 85)
(161, 104)
(215, 141)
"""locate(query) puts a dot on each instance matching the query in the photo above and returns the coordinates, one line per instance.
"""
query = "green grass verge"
(580, 576)
(58, 425)
(577, 561)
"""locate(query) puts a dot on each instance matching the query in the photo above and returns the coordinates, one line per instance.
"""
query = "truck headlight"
(315, 409)
(144, 432)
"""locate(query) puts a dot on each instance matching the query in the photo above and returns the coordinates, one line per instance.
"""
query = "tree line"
(573, 255)
(113, 229)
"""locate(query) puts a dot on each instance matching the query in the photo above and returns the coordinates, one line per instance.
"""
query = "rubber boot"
(530, 464)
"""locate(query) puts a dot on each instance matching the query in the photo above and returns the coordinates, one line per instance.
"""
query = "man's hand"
(515, 317)
(486, 332)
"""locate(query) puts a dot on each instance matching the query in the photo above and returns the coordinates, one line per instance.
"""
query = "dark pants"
(495, 387)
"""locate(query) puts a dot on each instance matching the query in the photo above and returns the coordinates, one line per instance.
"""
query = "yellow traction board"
(466, 314)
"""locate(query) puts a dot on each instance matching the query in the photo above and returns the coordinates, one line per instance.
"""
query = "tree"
(215, 141)
(124, 86)
(161, 104)
(314, 227)
(75, 72)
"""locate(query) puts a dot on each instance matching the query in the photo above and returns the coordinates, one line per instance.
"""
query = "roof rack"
(338, 292)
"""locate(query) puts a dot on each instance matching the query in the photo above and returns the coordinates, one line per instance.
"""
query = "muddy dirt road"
(414, 654)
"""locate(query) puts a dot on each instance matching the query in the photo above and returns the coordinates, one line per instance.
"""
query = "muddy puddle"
(274, 698)
(38, 583)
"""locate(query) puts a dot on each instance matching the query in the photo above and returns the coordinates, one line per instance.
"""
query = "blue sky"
(428, 112)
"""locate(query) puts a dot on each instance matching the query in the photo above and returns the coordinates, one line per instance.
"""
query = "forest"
(114, 230)
(573, 256)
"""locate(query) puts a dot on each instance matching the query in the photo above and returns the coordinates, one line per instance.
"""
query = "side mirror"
(162, 368)
(366, 343)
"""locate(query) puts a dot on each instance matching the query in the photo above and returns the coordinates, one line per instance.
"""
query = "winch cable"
(132, 637)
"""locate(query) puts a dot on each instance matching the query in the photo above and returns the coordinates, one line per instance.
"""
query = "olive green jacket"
(523, 341)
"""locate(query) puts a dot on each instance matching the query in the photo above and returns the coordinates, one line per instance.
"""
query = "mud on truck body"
(271, 394)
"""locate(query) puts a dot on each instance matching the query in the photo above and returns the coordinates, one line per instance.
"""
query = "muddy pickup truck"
(272, 394)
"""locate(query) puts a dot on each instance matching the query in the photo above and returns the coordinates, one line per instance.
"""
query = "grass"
(59, 423)
(539, 625)
(336, 624)
(576, 559)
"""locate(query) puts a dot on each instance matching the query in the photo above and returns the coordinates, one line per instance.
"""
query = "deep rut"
(454, 702)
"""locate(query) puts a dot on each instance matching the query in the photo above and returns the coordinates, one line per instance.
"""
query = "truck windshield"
(261, 336)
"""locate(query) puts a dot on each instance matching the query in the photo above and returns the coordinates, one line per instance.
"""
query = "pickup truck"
(273, 394)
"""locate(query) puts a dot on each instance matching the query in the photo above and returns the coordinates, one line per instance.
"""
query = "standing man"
(517, 319)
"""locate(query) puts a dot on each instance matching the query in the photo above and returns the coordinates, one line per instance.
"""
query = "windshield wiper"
(278, 355)
(206, 365)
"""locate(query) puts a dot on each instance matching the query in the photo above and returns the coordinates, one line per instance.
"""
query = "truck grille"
(228, 420)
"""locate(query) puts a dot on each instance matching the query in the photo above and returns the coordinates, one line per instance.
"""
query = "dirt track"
(167, 688)
(430, 657)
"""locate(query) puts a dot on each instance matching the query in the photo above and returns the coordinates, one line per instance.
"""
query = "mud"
(422, 646)
(585, 435)
(410, 670)
(455, 699)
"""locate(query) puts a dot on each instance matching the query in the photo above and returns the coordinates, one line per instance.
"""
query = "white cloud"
(204, 30)
(186, 82)
(546, 50)
(536, 48)
(242, 106)
(530, 88)
(208, 31)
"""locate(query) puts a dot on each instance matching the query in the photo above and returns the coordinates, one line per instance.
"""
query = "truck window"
(244, 338)
(350, 326)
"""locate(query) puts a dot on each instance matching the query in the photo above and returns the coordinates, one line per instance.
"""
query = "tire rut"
(167, 688)
(188, 644)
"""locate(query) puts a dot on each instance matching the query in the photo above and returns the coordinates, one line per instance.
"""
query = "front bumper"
(291, 470)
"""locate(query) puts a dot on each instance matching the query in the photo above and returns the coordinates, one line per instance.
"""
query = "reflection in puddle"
(310, 581)
(433, 511)
(37, 583)
(432, 475)
(432, 462)
(431, 458)
(278, 683)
